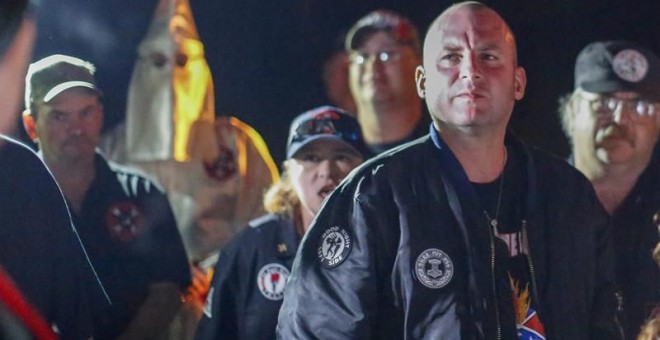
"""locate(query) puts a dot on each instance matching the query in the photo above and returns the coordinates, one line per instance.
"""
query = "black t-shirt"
(503, 200)
(129, 230)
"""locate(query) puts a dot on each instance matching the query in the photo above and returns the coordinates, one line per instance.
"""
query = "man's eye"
(57, 116)
(311, 158)
(452, 57)
(488, 57)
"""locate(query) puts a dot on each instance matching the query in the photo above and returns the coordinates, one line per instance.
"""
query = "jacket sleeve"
(332, 291)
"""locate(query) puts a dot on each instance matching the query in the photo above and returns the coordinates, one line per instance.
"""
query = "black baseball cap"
(398, 27)
(325, 122)
(55, 74)
(611, 66)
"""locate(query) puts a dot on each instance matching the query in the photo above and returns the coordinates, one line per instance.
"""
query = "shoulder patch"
(271, 281)
(334, 246)
(433, 268)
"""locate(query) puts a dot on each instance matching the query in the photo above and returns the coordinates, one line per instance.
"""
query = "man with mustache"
(612, 119)
(123, 218)
(465, 233)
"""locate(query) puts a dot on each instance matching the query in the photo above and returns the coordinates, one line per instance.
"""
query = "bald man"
(464, 234)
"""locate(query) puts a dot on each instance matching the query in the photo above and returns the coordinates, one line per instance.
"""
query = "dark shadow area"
(266, 56)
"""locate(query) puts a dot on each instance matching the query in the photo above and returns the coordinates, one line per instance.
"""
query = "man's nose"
(470, 67)
(76, 124)
(372, 63)
(622, 112)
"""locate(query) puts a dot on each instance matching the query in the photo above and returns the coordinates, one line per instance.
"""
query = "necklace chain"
(494, 221)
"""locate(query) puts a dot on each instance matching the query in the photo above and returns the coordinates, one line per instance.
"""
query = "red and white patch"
(272, 281)
(223, 167)
(124, 221)
(630, 65)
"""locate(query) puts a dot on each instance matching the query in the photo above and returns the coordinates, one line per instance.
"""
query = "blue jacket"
(248, 285)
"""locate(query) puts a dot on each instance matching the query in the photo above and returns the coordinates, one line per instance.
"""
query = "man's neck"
(388, 122)
(612, 182)
(74, 178)
(482, 155)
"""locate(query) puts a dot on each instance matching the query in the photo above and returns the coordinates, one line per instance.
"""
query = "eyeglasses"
(383, 57)
(641, 110)
(326, 123)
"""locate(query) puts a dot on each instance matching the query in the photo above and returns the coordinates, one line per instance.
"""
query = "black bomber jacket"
(358, 273)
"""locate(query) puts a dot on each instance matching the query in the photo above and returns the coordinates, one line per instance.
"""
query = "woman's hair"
(651, 329)
(11, 15)
(281, 199)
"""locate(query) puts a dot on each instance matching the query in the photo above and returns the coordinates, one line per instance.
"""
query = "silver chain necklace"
(494, 221)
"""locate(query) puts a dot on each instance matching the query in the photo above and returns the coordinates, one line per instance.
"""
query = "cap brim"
(296, 147)
(617, 86)
(65, 86)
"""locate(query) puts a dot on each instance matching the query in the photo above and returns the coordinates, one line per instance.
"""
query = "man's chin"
(614, 153)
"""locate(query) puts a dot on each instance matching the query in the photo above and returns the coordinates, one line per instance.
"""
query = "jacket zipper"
(530, 263)
(492, 271)
(619, 312)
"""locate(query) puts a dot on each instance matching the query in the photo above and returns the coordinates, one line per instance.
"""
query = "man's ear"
(29, 125)
(519, 83)
(420, 81)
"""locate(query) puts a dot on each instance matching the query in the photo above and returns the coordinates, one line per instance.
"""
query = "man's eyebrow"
(489, 47)
(451, 47)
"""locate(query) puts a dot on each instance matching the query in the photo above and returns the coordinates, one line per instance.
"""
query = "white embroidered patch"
(334, 246)
(630, 65)
(434, 268)
(271, 281)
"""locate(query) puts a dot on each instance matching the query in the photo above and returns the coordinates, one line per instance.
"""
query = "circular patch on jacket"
(124, 221)
(630, 65)
(334, 246)
(434, 268)
(223, 167)
(271, 281)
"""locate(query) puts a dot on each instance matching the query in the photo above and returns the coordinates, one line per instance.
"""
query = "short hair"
(475, 5)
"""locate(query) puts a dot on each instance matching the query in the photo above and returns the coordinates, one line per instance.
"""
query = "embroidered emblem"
(281, 248)
(334, 247)
(271, 281)
(630, 65)
(434, 268)
(124, 221)
(223, 167)
(208, 306)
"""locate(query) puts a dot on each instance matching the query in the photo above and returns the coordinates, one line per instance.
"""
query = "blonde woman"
(324, 145)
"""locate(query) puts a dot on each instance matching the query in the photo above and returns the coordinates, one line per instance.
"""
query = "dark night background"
(266, 56)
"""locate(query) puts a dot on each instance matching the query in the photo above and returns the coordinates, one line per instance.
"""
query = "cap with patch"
(612, 66)
(399, 28)
(55, 74)
(326, 122)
